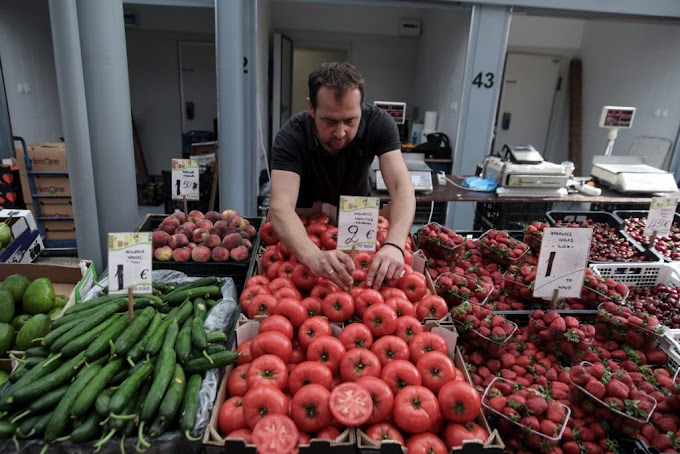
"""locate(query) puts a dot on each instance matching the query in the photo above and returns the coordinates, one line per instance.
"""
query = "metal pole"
(107, 90)
(71, 86)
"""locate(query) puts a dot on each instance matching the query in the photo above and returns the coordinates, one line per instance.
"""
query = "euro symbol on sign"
(369, 234)
(144, 274)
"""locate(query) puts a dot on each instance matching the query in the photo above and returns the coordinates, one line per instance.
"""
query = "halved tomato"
(275, 434)
(351, 404)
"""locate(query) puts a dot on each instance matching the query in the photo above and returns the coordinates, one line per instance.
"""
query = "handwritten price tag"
(562, 262)
(358, 222)
(130, 263)
(660, 217)
(185, 177)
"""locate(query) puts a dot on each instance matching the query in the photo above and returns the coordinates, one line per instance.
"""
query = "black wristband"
(394, 245)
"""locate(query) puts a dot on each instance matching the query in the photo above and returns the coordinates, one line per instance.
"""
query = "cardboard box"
(46, 185)
(44, 157)
(203, 148)
(11, 195)
(53, 208)
(27, 243)
(51, 235)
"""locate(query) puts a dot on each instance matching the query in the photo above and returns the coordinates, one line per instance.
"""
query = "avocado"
(3, 377)
(39, 297)
(6, 338)
(16, 284)
(60, 300)
(6, 306)
(36, 328)
(19, 320)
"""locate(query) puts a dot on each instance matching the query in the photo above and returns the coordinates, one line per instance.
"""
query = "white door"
(198, 85)
(530, 84)
(304, 61)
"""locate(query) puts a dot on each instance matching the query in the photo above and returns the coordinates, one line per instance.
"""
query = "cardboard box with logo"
(26, 242)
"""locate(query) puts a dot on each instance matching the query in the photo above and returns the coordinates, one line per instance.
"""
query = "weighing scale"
(419, 171)
(523, 167)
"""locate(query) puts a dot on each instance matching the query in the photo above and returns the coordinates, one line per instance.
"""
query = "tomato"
(243, 351)
(298, 355)
(319, 218)
(323, 288)
(401, 306)
(257, 281)
(460, 375)
(283, 250)
(262, 401)
(399, 374)
(436, 369)
(276, 323)
(329, 238)
(384, 431)
(249, 293)
(270, 257)
(356, 335)
(426, 342)
(389, 348)
(236, 382)
(455, 434)
(380, 319)
(415, 409)
(303, 439)
(315, 239)
(310, 408)
(382, 398)
(357, 363)
(392, 292)
(327, 350)
(351, 404)
(273, 270)
(267, 370)
(286, 269)
(329, 433)
(307, 373)
(425, 443)
(292, 309)
(407, 327)
(279, 283)
(366, 298)
(231, 416)
(311, 329)
(268, 234)
(431, 306)
(262, 304)
(362, 260)
(303, 277)
(275, 434)
(284, 292)
(338, 306)
(413, 285)
(459, 402)
(242, 434)
(271, 343)
(316, 230)
(359, 278)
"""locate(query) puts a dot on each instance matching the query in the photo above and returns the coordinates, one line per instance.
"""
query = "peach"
(212, 241)
(238, 223)
(220, 254)
(212, 216)
(167, 228)
(250, 230)
(159, 238)
(164, 254)
(189, 225)
(227, 215)
(180, 215)
(182, 254)
(195, 215)
(199, 235)
(201, 254)
(185, 231)
(239, 254)
(244, 235)
(231, 241)
(173, 221)
(178, 240)
(221, 225)
(204, 224)
(247, 244)
(215, 231)
(192, 245)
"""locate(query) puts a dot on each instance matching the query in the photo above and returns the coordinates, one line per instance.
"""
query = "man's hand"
(334, 265)
(388, 263)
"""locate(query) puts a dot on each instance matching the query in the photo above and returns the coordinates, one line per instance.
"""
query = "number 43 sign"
(562, 262)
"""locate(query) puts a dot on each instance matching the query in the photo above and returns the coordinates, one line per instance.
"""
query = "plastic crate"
(639, 274)
(509, 215)
(430, 212)
(521, 318)
(670, 343)
(627, 214)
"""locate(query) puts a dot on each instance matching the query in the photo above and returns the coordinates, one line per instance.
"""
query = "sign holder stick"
(652, 239)
(186, 210)
(555, 297)
(131, 303)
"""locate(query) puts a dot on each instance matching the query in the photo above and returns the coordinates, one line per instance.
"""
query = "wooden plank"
(576, 116)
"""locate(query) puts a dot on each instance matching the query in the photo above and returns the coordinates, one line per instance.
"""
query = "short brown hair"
(338, 76)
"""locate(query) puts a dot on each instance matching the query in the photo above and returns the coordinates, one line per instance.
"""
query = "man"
(326, 152)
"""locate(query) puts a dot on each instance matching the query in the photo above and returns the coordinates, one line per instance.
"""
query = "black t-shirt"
(325, 177)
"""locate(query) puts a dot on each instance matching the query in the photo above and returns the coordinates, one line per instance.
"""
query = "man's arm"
(334, 265)
(388, 263)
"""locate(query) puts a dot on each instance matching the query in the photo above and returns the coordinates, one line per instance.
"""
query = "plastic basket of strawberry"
(481, 328)
(563, 335)
(498, 246)
(614, 392)
(596, 290)
(526, 408)
(457, 288)
(533, 235)
(623, 323)
(438, 241)
(518, 282)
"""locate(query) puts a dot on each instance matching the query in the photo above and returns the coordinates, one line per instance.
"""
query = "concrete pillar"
(71, 86)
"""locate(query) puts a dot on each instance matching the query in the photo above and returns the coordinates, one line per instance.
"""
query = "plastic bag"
(479, 184)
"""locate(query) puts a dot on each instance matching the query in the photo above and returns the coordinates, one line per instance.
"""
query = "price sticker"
(358, 223)
(562, 262)
(130, 263)
(185, 177)
(660, 217)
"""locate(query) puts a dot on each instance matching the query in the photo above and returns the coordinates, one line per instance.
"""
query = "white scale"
(421, 180)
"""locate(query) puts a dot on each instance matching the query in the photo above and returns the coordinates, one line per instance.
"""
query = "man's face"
(336, 122)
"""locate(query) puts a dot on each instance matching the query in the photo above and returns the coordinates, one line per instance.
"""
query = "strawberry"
(662, 442)
(511, 414)
(516, 401)
(596, 370)
(579, 375)
(666, 424)
(555, 412)
(657, 357)
(614, 403)
(649, 431)
(615, 388)
(508, 374)
(498, 403)
(571, 447)
(558, 325)
(549, 428)
(596, 388)
(592, 448)
(531, 422)
(536, 405)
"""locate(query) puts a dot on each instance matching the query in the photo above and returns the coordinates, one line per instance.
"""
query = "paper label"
(130, 263)
(562, 262)
(185, 177)
(660, 217)
(358, 222)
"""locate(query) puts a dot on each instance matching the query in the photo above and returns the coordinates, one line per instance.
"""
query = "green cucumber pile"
(96, 375)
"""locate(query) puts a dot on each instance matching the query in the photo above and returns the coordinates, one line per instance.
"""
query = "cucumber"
(63, 374)
(89, 304)
(33, 361)
(41, 425)
(190, 405)
(17, 373)
(173, 396)
(37, 352)
(164, 374)
(47, 366)
(26, 427)
(211, 303)
(79, 316)
(101, 345)
(198, 338)
(127, 390)
(83, 341)
(87, 324)
(87, 430)
(155, 342)
(137, 350)
(200, 308)
(88, 396)
(133, 332)
(7, 429)
(55, 333)
(211, 350)
(159, 427)
(164, 288)
(61, 415)
(48, 401)
(101, 404)
(216, 336)
(183, 344)
(191, 294)
(171, 335)
(144, 301)
(202, 282)
(201, 364)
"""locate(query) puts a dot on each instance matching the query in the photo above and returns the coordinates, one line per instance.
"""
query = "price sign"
(358, 222)
(185, 176)
(562, 262)
(130, 263)
(660, 217)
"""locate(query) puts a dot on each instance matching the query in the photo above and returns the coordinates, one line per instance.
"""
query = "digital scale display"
(397, 110)
(617, 117)
(422, 181)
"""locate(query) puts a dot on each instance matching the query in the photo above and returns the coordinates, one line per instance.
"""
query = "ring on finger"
(331, 272)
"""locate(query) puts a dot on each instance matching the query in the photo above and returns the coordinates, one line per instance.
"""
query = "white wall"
(263, 94)
(630, 64)
(27, 58)
(174, 19)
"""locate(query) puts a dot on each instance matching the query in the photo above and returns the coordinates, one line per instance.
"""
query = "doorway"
(304, 61)
(198, 85)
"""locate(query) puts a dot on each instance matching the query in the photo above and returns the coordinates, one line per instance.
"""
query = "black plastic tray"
(625, 214)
